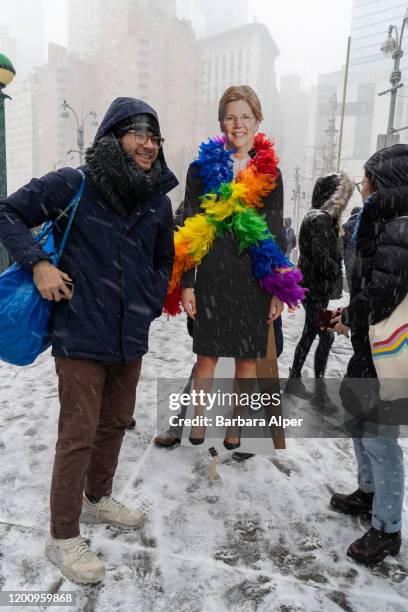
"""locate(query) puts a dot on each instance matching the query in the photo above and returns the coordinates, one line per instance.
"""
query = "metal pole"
(4, 258)
(395, 76)
(3, 160)
(343, 106)
(80, 141)
(394, 80)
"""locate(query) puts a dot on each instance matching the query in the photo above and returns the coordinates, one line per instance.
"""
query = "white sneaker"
(110, 510)
(75, 559)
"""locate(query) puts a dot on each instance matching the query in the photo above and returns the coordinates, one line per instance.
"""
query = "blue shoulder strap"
(74, 205)
(43, 233)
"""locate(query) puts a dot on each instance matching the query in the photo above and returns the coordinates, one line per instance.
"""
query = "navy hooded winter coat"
(120, 265)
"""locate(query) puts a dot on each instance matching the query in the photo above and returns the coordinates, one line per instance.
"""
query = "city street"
(260, 538)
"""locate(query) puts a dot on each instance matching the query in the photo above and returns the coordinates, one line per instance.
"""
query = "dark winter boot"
(355, 503)
(321, 398)
(240, 457)
(374, 546)
(295, 386)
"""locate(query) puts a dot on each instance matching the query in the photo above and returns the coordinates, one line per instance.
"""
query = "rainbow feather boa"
(231, 204)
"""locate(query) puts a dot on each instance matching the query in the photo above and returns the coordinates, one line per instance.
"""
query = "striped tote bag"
(389, 348)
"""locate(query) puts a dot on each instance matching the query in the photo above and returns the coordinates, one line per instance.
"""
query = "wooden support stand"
(268, 376)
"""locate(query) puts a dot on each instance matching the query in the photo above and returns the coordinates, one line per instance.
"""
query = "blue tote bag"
(25, 316)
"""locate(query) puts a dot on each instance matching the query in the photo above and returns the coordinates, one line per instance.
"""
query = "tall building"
(25, 20)
(209, 17)
(149, 54)
(8, 44)
(369, 24)
(370, 69)
(366, 113)
(244, 55)
(38, 135)
(84, 27)
(293, 137)
(21, 134)
(85, 21)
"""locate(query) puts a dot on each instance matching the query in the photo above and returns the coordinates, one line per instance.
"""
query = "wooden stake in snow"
(213, 467)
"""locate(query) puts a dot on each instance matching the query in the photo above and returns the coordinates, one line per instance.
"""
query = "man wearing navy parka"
(110, 284)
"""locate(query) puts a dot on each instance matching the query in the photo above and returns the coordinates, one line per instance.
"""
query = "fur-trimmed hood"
(338, 201)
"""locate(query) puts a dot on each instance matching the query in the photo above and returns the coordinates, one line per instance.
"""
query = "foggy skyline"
(311, 37)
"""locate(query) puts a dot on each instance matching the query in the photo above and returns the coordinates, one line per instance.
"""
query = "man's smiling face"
(142, 147)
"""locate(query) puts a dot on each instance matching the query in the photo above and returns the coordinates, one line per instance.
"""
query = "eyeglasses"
(244, 119)
(360, 184)
(142, 138)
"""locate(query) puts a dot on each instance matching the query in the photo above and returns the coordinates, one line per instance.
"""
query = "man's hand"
(275, 309)
(188, 301)
(50, 282)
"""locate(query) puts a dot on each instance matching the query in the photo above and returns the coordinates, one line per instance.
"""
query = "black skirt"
(232, 308)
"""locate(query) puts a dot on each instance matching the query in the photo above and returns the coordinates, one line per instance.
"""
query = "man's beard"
(118, 177)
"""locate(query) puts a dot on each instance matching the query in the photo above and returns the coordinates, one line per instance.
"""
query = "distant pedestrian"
(290, 237)
(349, 242)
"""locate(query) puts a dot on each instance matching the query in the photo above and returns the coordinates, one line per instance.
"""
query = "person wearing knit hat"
(119, 257)
(320, 264)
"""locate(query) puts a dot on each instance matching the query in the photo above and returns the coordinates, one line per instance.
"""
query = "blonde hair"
(240, 92)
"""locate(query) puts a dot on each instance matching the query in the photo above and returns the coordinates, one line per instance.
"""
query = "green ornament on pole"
(7, 74)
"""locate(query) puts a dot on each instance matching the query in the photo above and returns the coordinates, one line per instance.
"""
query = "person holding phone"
(320, 264)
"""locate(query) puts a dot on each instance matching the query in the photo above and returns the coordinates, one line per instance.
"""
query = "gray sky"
(311, 35)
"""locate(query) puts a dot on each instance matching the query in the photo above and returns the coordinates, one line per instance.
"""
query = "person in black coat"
(379, 284)
(119, 259)
(320, 264)
(349, 242)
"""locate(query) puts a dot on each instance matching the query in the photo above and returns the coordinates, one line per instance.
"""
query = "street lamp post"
(80, 126)
(7, 73)
(393, 47)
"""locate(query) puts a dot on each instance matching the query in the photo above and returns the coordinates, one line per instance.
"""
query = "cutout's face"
(239, 125)
(141, 146)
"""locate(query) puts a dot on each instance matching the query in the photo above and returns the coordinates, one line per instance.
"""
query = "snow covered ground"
(260, 538)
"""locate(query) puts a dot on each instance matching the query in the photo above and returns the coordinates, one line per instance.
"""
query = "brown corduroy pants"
(97, 402)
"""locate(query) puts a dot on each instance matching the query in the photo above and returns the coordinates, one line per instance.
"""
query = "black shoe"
(355, 503)
(242, 456)
(295, 386)
(233, 445)
(131, 425)
(197, 441)
(374, 546)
